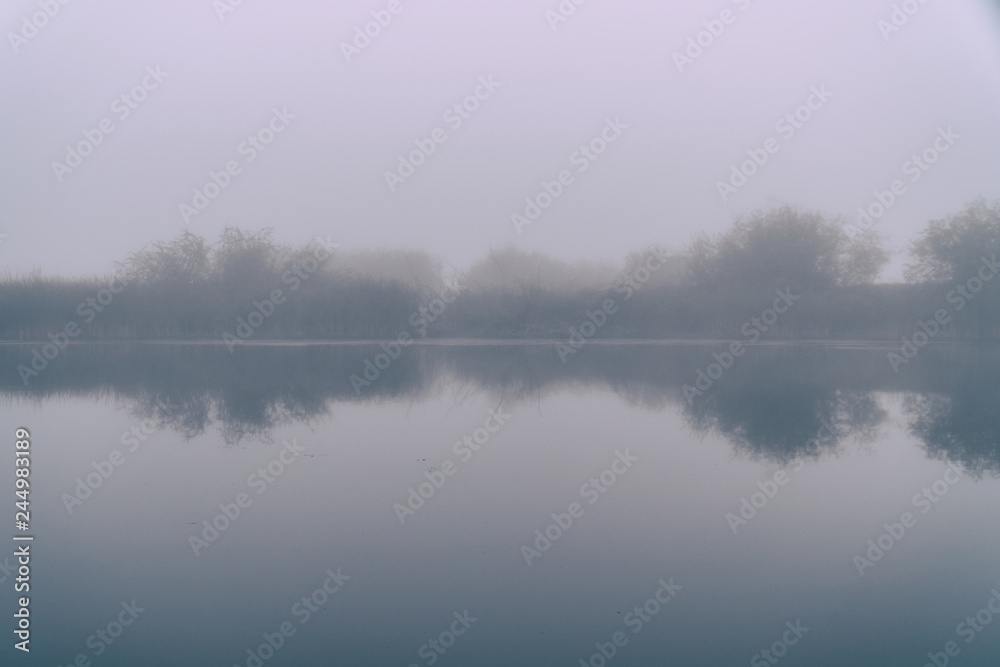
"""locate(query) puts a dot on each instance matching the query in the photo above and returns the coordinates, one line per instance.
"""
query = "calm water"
(701, 532)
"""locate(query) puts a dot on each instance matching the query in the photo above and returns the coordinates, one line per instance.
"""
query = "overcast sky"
(886, 94)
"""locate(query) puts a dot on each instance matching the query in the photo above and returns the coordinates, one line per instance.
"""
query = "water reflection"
(776, 403)
(957, 419)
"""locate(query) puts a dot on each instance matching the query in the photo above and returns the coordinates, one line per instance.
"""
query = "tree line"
(190, 288)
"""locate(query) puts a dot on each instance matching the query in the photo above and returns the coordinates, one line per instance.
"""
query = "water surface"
(852, 443)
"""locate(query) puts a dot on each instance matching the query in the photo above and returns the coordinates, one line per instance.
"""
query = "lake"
(469, 503)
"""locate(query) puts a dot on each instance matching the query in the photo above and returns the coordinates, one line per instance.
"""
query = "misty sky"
(324, 172)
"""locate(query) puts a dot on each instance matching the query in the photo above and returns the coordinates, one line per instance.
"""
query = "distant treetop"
(953, 248)
(785, 247)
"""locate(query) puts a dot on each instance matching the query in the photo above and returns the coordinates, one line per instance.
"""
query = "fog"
(523, 313)
(213, 79)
